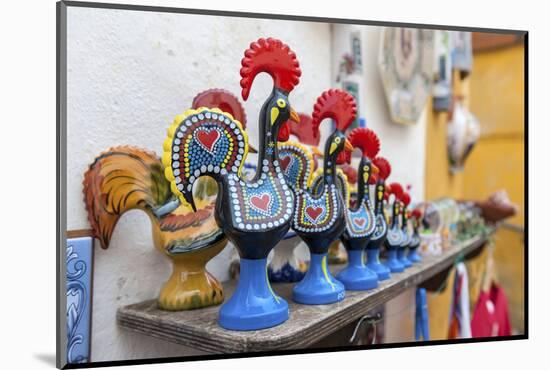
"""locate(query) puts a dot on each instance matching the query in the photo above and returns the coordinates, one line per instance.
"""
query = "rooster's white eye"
(281, 103)
(337, 140)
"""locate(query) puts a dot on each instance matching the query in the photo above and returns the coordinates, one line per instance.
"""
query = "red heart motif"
(261, 202)
(314, 212)
(359, 221)
(208, 138)
(285, 161)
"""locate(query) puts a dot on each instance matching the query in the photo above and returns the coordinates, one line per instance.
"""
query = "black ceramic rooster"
(381, 229)
(407, 236)
(360, 219)
(319, 219)
(255, 215)
(395, 238)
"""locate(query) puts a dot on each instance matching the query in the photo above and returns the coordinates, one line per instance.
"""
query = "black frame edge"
(290, 17)
(61, 165)
(61, 174)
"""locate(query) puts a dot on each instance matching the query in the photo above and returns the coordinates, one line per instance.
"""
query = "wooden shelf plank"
(307, 324)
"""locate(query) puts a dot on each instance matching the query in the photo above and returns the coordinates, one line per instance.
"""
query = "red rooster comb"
(222, 99)
(366, 140)
(406, 199)
(271, 56)
(336, 104)
(384, 167)
(306, 131)
(396, 189)
(417, 213)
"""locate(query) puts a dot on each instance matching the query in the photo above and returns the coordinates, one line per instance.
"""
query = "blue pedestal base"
(402, 257)
(393, 263)
(357, 276)
(373, 264)
(318, 286)
(413, 256)
(253, 305)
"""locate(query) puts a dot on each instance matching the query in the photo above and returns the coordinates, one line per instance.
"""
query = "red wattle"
(343, 157)
(284, 132)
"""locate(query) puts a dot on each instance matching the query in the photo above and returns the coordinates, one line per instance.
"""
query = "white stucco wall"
(129, 74)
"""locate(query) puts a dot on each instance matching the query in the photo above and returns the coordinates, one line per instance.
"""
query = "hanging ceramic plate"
(405, 62)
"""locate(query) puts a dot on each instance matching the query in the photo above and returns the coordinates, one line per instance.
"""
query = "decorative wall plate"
(405, 62)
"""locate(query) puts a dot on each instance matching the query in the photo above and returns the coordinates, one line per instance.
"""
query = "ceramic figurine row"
(198, 198)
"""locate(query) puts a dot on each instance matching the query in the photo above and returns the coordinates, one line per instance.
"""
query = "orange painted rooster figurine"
(125, 178)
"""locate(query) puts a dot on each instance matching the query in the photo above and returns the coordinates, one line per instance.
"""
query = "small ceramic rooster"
(298, 161)
(416, 218)
(254, 214)
(360, 219)
(297, 164)
(381, 229)
(337, 254)
(394, 239)
(403, 251)
(319, 219)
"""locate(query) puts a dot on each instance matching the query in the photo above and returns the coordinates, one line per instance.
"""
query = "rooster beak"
(375, 169)
(294, 117)
(347, 146)
(316, 152)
